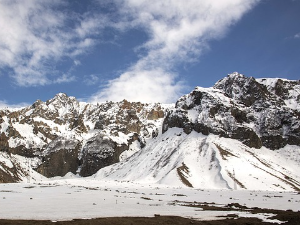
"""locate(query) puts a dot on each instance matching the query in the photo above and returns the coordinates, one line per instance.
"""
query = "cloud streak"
(297, 36)
(178, 32)
(4, 105)
(35, 35)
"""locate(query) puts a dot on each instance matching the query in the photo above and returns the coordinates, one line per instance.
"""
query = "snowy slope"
(211, 162)
(18, 168)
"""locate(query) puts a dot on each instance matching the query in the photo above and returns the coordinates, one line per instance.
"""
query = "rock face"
(60, 157)
(256, 112)
(98, 152)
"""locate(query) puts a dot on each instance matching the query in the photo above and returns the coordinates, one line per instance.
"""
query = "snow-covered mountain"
(63, 135)
(242, 133)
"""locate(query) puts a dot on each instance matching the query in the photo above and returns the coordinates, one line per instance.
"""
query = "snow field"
(76, 198)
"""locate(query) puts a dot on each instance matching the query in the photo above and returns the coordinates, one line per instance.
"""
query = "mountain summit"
(250, 126)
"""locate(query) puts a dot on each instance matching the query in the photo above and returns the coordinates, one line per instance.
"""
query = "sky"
(139, 50)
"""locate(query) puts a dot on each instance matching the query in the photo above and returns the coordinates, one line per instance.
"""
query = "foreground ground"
(78, 201)
(284, 217)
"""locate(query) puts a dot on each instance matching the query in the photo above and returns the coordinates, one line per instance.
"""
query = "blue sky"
(149, 51)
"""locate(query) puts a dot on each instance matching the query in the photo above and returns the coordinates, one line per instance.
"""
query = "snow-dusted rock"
(241, 108)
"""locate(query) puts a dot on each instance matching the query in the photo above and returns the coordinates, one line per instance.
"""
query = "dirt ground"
(291, 218)
(134, 221)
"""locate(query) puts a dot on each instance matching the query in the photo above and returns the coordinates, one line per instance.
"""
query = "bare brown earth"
(288, 217)
(134, 221)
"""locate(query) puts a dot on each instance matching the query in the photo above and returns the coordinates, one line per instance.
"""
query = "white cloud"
(297, 35)
(65, 78)
(77, 62)
(144, 86)
(4, 104)
(35, 35)
(91, 79)
(178, 32)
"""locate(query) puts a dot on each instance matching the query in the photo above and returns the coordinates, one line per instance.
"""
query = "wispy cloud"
(297, 35)
(91, 79)
(35, 35)
(65, 78)
(178, 32)
(4, 105)
(77, 62)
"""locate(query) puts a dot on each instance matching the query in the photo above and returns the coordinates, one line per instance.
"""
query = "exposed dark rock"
(12, 172)
(60, 157)
(23, 151)
(98, 152)
(239, 115)
(274, 142)
(4, 147)
(101, 123)
(9, 175)
(247, 136)
(77, 123)
(176, 120)
(101, 151)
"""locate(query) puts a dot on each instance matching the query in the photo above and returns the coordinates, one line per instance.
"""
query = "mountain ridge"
(63, 135)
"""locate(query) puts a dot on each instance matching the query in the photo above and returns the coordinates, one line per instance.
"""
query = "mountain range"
(242, 133)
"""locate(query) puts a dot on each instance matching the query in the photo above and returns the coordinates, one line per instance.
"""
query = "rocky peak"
(244, 89)
(37, 103)
(241, 108)
(62, 100)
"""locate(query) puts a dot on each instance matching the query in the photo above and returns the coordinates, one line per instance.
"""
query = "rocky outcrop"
(60, 157)
(4, 146)
(101, 151)
(97, 153)
(241, 108)
(156, 114)
(9, 175)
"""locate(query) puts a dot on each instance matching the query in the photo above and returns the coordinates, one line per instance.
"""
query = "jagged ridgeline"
(63, 135)
(197, 142)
